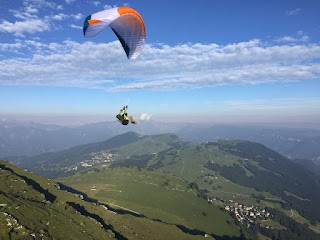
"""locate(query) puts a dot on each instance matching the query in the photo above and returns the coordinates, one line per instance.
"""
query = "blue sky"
(205, 60)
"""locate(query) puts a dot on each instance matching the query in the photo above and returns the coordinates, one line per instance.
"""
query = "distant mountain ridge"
(29, 139)
(54, 164)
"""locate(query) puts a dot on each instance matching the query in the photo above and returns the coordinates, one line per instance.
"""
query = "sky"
(218, 61)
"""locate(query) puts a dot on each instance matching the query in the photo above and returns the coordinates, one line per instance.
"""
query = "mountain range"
(29, 139)
(157, 177)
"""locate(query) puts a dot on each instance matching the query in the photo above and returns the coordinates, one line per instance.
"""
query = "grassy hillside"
(155, 195)
(95, 155)
(273, 173)
(241, 172)
(169, 183)
(188, 161)
(33, 207)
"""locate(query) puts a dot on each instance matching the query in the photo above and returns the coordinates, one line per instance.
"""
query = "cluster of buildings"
(97, 158)
(94, 159)
(244, 214)
(248, 214)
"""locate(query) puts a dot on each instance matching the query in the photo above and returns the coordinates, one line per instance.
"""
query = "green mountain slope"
(265, 192)
(33, 207)
(97, 154)
(155, 195)
(242, 172)
(273, 173)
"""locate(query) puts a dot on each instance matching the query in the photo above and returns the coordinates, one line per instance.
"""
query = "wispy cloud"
(293, 12)
(159, 67)
(60, 17)
(76, 26)
(300, 36)
(30, 21)
(11, 47)
(60, 7)
(96, 3)
(108, 6)
(19, 28)
(69, 1)
(77, 16)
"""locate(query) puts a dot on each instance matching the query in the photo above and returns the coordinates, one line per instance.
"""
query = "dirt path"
(115, 205)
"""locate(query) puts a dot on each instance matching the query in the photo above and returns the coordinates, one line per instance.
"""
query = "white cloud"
(60, 17)
(31, 10)
(76, 26)
(289, 39)
(11, 47)
(28, 26)
(109, 6)
(77, 16)
(293, 12)
(299, 37)
(29, 20)
(96, 3)
(60, 7)
(159, 67)
(39, 4)
(145, 117)
(69, 1)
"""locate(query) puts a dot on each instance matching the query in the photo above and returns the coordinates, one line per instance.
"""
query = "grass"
(145, 145)
(30, 213)
(190, 165)
(156, 195)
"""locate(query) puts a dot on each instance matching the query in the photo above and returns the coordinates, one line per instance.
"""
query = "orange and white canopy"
(125, 22)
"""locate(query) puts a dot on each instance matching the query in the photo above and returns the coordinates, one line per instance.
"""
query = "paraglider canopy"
(125, 22)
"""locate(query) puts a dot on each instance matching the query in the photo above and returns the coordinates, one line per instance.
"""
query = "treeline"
(277, 185)
(293, 230)
(299, 188)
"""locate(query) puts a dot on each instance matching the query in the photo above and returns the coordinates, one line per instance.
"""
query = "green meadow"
(156, 195)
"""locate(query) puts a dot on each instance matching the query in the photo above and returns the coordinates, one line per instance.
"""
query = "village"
(244, 214)
(97, 158)
(248, 214)
(94, 159)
